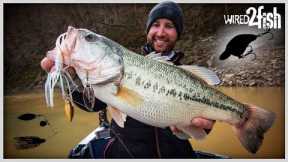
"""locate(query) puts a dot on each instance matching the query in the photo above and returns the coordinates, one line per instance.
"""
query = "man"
(164, 27)
(136, 139)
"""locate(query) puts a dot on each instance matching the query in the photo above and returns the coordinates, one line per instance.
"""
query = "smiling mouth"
(160, 42)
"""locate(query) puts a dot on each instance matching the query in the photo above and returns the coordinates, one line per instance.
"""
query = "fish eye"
(90, 38)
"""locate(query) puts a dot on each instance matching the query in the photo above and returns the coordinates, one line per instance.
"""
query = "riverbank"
(204, 38)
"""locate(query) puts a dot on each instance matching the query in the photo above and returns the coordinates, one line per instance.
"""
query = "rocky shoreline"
(268, 69)
(201, 41)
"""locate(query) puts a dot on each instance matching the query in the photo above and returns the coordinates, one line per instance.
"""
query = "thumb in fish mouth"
(46, 64)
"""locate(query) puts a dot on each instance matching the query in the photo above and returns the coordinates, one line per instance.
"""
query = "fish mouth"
(65, 44)
(92, 66)
(72, 35)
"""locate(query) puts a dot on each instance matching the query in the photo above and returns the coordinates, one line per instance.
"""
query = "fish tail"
(250, 133)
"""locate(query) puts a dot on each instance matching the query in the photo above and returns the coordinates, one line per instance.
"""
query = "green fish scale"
(187, 87)
(191, 88)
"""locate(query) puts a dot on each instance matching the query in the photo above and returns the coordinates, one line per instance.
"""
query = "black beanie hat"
(169, 10)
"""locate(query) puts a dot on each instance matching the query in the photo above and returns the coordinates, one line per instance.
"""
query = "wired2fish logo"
(258, 18)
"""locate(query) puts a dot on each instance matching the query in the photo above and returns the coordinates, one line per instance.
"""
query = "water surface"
(61, 135)
(222, 139)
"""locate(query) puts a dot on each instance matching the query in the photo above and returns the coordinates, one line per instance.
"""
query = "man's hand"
(47, 64)
(199, 122)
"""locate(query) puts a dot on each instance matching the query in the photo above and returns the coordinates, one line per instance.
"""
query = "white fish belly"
(157, 108)
(165, 113)
(161, 110)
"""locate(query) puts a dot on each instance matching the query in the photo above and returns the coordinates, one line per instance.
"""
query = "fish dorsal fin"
(206, 74)
(129, 96)
(117, 115)
(158, 57)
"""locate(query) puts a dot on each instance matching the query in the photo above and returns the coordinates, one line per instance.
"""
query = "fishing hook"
(249, 52)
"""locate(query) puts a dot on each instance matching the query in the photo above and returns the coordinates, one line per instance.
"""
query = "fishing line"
(73, 88)
(58, 74)
(157, 142)
(88, 94)
(67, 77)
(122, 143)
(54, 130)
(53, 77)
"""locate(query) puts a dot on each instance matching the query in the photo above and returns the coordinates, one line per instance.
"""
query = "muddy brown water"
(61, 135)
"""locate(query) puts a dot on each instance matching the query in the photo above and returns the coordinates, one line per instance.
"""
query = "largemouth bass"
(154, 92)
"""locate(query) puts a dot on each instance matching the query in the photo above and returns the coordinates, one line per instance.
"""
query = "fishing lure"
(66, 83)
(69, 110)
(238, 45)
(59, 75)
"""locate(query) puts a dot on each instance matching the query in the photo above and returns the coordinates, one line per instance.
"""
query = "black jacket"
(142, 140)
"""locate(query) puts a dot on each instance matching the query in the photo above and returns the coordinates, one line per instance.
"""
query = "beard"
(161, 44)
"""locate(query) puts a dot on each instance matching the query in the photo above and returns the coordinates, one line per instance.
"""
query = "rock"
(274, 61)
(228, 76)
(252, 83)
(278, 83)
(239, 82)
(271, 83)
(230, 83)
(241, 73)
(269, 79)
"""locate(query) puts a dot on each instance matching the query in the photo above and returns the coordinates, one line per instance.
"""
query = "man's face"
(162, 35)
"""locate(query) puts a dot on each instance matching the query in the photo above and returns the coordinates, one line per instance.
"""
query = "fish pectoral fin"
(191, 131)
(209, 76)
(129, 96)
(113, 88)
(117, 115)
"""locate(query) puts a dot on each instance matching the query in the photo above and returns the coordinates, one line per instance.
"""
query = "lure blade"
(69, 110)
